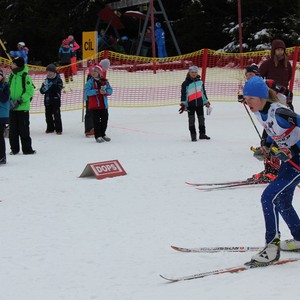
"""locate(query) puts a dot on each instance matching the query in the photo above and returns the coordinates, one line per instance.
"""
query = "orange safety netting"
(143, 82)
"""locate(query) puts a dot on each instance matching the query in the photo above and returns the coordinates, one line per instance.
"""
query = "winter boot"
(100, 139)
(290, 245)
(269, 254)
(106, 138)
(3, 160)
(203, 136)
(193, 137)
(90, 133)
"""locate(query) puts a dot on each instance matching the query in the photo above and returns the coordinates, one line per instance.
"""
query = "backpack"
(23, 82)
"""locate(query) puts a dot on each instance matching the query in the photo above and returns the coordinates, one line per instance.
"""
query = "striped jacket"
(193, 92)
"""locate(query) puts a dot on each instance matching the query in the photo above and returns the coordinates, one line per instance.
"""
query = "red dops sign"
(104, 169)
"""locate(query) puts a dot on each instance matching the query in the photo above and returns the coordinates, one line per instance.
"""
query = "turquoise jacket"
(91, 92)
(193, 92)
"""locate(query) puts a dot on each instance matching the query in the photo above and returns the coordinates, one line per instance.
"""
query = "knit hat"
(193, 69)
(105, 64)
(252, 69)
(65, 43)
(98, 69)
(256, 87)
(19, 62)
(51, 68)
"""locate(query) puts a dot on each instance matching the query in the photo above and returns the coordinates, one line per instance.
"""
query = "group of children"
(16, 92)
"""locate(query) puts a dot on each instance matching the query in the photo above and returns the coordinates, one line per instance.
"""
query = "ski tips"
(170, 280)
(180, 249)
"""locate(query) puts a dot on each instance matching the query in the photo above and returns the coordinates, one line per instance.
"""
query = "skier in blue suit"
(283, 128)
(160, 40)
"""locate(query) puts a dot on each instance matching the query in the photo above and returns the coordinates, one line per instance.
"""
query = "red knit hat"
(65, 43)
(98, 69)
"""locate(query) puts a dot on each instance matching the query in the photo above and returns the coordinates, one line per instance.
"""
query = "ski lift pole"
(5, 50)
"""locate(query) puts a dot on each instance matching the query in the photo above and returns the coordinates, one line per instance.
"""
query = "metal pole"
(152, 28)
(169, 27)
(240, 26)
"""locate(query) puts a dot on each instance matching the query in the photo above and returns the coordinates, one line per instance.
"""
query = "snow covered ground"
(70, 238)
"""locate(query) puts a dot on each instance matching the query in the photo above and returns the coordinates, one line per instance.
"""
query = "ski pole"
(5, 50)
(252, 121)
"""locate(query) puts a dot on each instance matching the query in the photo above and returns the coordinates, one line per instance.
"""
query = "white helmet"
(22, 44)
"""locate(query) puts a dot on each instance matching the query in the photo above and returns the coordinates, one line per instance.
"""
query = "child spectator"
(65, 54)
(193, 98)
(88, 118)
(97, 89)
(74, 46)
(51, 88)
(4, 114)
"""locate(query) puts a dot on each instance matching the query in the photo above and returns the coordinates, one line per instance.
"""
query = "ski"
(230, 186)
(217, 183)
(236, 269)
(216, 249)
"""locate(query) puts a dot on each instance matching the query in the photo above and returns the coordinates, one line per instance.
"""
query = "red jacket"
(282, 73)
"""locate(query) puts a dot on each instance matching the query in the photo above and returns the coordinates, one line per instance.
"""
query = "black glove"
(15, 104)
(240, 98)
(289, 97)
(182, 108)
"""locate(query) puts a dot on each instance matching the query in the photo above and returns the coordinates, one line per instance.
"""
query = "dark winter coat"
(65, 54)
(51, 88)
(4, 102)
(193, 92)
(278, 70)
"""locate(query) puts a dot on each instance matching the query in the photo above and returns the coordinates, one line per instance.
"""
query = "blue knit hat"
(256, 87)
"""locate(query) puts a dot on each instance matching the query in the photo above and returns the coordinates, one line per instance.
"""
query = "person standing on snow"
(279, 69)
(160, 40)
(283, 128)
(21, 52)
(51, 88)
(65, 55)
(193, 98)
(97, 89)
(74, 46)
(4, 114)
(88, 118)
(21, 93)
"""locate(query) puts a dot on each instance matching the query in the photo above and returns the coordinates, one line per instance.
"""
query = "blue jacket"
(91, 92)
(4, 102)
(20, 53)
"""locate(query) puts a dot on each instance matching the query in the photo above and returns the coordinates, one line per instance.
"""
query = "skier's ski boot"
(290, 245)
(267, 255)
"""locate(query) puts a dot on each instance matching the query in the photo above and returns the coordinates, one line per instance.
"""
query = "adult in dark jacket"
(193, 98)
(51, 88)
(278, 68)
(4, 114)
